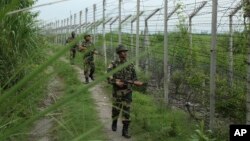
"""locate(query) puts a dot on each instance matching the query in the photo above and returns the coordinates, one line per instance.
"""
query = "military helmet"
(87, 35)
(121, 48)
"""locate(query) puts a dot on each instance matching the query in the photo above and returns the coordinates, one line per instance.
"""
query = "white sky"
(62, 10)
(201, 22)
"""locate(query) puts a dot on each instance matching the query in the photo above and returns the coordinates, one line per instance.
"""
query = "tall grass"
(79, 116)
(18, 108)
(19, 42)
(162, 123)
(21, 52)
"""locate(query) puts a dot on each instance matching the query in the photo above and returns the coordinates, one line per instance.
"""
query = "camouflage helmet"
(87, 35)
(121, 48)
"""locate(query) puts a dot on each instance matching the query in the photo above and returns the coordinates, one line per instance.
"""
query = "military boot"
(92, 77)
(114, 125)
(125, 129)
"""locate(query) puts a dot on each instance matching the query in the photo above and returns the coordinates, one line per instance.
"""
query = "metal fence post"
(213, 64)
(103, 34)
(166, 68)
(120, 26)
(94, 23)
(86, 19)
(80, 22)
(137, 35)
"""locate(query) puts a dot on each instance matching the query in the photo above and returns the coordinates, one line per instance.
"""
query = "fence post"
(80, 22)
(166, 68)
(57, 31)
(111, 34)
(247, 27)
(103, 34)
(137, 35)
(54, 31)
(67, 33)
(86, 19)
(61, 31)
(213, 63)
(74, 26)
(131, 38)
(120, 19)
(71, 23)
(94, 23)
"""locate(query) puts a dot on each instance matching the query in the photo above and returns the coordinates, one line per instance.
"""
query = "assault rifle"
(122, 83)
(84, 48)
(125, 82)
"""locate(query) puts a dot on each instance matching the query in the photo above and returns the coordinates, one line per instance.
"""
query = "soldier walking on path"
(122, 82)
(88, 59)
(73, 48)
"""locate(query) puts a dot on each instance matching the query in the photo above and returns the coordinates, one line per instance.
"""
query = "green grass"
(22, 106)
(79, 115)
(150, 121)
(21, 52)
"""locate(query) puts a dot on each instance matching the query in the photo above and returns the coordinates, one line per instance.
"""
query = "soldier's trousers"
(72, 55)
(89, 68)
(121, 103)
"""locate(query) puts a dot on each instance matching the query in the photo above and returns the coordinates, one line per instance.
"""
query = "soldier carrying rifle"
(89, 51)
(122, 82)
(73, 48)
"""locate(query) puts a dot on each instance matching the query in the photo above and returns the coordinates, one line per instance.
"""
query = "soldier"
(73, 48)
(88, 58)
(122, 82)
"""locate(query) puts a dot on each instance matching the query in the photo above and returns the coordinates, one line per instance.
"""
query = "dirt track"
(42, 128)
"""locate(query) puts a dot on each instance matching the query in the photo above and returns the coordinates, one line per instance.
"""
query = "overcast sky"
(201, 22)
(62, 10)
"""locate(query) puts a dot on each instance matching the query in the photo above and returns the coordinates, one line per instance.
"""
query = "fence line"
(185, 35)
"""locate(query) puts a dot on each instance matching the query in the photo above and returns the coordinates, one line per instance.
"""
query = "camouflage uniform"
(122, 97)
(88, 58)
(72, 49)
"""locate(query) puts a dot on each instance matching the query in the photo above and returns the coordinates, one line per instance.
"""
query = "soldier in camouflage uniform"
(88, 58)
(122, 82)
(73, 48)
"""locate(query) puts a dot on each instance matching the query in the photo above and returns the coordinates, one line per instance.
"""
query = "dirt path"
(104, 110)
(42, 129)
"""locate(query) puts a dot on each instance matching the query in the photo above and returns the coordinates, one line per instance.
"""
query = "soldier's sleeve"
(110, 67)
(134, 76)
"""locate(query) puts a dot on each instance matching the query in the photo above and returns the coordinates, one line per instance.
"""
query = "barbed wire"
(201, 25)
